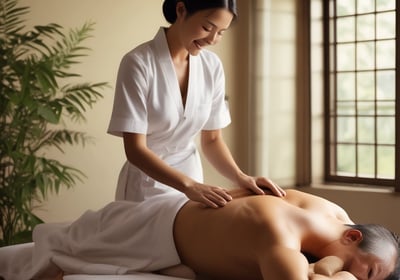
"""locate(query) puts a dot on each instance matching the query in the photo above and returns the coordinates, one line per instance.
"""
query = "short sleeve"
(129, 112)
(219, 116)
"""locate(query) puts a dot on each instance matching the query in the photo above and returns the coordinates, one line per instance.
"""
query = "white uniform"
(148, 101)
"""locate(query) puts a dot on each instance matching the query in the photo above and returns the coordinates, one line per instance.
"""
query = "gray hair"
(374, 236)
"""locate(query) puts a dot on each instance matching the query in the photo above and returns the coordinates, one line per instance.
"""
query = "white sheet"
(122, 238)
(13, 258)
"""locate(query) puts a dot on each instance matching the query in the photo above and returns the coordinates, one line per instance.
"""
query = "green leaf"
(36, 95)
(48, 114)
(22, 237)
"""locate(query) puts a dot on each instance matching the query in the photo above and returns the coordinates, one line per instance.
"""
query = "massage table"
(138, 276)
(17, 256)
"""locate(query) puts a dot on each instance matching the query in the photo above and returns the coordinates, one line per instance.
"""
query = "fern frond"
(10, 18)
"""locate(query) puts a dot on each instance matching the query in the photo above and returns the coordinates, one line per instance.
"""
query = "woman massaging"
(169, 90)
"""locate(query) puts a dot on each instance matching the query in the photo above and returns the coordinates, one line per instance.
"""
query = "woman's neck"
(178, 52)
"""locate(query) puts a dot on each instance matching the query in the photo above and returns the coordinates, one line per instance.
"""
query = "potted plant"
(38, 93)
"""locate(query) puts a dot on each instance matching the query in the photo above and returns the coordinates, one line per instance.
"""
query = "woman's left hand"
(256, 183)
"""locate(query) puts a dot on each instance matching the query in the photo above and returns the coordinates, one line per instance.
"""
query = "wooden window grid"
(359, 123)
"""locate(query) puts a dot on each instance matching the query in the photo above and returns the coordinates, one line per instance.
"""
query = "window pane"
(345, 29)
(385, 25)
(365, 6)
(346, 127)
(345, 57)
(366, 27)
(345, 86)
(386, 108)
(346, 160)
(346, 108)
(386, 85)
(386, 162)
(345, 7)
(366, 161)
(384, 5)
(366, 128)
(366, 108)
(366, 85)
(386, 130)
(365, 56)
(385, 51)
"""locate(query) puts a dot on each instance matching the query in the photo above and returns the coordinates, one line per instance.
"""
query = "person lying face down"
(266, 237)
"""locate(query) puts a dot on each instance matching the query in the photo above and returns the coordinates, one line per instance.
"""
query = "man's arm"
(329, 267)
(281, 263)
(341, 275)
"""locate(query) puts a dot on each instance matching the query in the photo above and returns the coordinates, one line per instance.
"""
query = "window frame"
(329, 178)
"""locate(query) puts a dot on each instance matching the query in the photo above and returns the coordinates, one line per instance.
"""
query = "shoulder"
(140, 60)
(140, 53)
(316, 203)
(280, 262)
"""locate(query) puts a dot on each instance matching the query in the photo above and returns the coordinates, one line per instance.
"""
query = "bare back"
(229, 242)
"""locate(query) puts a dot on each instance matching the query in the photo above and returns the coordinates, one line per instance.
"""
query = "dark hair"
(193, 6)
(376, 236)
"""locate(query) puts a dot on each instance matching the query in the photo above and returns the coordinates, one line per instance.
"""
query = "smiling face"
(203, 28)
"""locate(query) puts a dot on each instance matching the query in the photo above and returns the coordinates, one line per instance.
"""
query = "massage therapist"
(168, 90)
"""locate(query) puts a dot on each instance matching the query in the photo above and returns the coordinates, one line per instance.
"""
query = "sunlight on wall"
(317, 89)
(275, 91)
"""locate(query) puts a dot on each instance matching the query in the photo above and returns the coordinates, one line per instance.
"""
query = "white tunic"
(148, 101)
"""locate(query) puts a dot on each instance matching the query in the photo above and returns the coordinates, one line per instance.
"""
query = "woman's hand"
(210, 196)
(256, 183)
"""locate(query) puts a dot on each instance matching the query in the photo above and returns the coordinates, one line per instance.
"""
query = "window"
(361, 72)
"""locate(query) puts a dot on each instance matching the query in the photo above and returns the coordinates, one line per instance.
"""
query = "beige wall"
(123, 24)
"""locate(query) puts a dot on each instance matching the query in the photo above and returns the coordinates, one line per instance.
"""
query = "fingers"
(216, 197)
(274, 188)
(210, 196)
(257, 190)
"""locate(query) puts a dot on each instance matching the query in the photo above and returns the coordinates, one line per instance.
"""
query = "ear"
(352, 236)
(180, 10)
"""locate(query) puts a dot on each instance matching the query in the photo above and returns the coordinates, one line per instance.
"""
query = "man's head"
(375, 253)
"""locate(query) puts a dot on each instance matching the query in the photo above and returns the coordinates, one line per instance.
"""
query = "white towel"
(121, 238)
(16, 261)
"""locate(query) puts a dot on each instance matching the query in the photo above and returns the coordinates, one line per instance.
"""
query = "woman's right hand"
(210, 196)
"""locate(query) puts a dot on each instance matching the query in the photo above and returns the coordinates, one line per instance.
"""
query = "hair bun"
(169, 10)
